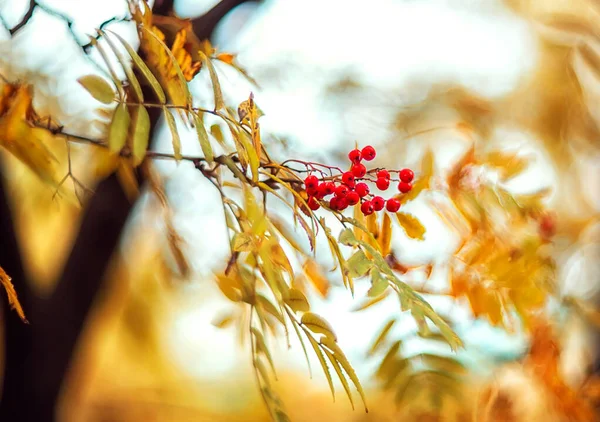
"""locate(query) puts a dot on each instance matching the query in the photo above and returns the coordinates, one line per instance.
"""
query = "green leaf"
(347, 238)
(443, 363)
(141, 134)
(389, 359)
(98, 88)
(242, 242)
(117, 133)
(174, 133)
(214, 79)
(203, 138)
(412, 226)
(297, 301)
(358, 264)
(381, 337)
(148, 75)
(378, 283)
(317, 324)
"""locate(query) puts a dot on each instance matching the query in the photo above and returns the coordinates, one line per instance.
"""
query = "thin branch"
(28, 15)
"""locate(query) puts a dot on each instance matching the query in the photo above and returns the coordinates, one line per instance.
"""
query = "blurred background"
(397, 74)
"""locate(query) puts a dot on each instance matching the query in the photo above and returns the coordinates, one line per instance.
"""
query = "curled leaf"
(317, 324)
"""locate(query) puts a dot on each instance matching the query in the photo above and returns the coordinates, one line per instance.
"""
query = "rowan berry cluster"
(350, 187)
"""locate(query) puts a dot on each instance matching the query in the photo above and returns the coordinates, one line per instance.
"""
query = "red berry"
(407, 175)
(342, 203)
(329, 188)
(311, 191)
(348, 179)
(378, 203)
(359, 170)
(362, 189)
(383, 174)
(404, 187)
(382, 183)
(311, 182)
(367, 208)
(341, 191)
(333, 203)
(322, 190)
(313, 204)
(355, 156)
(352, 198)
(392, 205)
(368, 153)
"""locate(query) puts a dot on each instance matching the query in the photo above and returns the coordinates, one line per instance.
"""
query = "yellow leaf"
(13, 300)
(141, 134)
(174, 133)
(98, 88)
(150, 78)
(314, 275)
(20, 139)
(219, 103)
(413, 227)
(369, 301)
(223, 321)
(242, 242)
(226, 58)
(317, 324)
(268, 306)
(296, 300)
(323, 363)
(203, 138)
(385, 237)
(119, 126)
(230, 287)
(358, 264)
(340, 374)
(131, 78)
(381, 337)
(343, 361)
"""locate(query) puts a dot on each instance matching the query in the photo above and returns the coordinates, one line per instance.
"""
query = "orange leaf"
(316, 277)
(13, 300)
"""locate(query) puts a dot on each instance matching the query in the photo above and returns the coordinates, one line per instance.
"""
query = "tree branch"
(28, 15)
(205, 25)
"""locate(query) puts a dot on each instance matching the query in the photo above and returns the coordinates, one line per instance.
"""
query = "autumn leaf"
(316, 277)
(411, 225)
(13, 300)
(98, 88)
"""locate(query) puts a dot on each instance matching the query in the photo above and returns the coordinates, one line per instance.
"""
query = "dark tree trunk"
(37, 355)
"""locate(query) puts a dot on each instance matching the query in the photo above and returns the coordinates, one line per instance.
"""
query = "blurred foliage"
(505, 263)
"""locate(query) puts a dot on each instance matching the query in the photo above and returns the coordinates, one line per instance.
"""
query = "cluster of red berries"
(348, 190)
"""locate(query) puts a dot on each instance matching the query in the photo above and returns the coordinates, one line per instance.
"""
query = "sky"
(296, 49)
